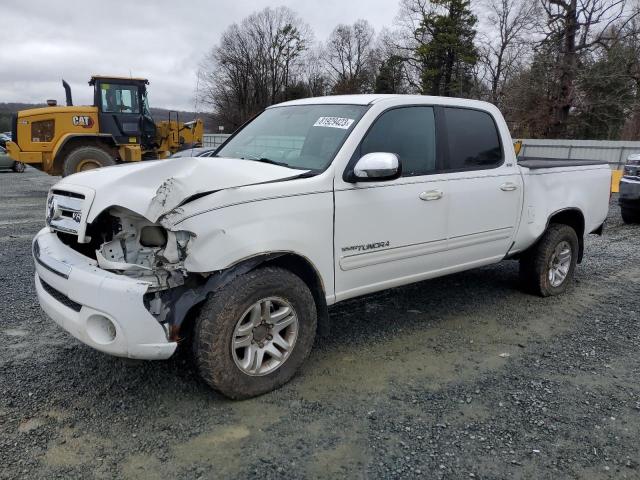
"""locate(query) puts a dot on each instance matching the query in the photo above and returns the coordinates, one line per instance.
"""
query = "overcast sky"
(42, 41)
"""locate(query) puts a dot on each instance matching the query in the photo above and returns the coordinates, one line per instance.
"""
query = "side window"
(472, 139)
(408, 132)
(119, 98)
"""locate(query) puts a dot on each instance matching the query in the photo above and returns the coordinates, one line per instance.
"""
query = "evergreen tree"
(389, 77)
(606, 95)
(448, 58)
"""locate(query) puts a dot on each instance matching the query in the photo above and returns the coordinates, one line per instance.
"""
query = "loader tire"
(253, 334)
(86, 158)
(548, 267)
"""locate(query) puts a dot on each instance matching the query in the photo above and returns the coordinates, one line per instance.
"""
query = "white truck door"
(484, 186)
(389, 233)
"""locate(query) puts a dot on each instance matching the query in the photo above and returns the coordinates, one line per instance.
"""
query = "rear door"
(485, 190)
(390, 232)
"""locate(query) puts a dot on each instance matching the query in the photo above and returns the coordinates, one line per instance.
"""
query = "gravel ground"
(458, 377)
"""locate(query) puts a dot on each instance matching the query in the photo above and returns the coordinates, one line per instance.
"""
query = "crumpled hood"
(153, 188)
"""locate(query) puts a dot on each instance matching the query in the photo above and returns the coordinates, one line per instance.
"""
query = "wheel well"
(304, 269)
(574, 219)
(187, 299)
(105, 143)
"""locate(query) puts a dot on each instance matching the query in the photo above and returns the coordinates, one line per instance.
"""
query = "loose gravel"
(457, 377)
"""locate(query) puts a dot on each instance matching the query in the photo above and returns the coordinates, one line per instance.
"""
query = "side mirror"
(377, 166)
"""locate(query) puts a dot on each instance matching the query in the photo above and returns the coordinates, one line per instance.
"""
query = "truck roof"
(361, 99)
(369, 99)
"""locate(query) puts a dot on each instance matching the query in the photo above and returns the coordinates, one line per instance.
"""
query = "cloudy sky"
(43, 41)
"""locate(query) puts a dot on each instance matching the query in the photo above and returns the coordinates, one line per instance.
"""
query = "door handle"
(431, 195)
(508, 187)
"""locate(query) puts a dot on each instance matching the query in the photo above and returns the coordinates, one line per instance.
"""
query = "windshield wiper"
(268, 160)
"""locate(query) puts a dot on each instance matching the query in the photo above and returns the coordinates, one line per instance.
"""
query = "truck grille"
(632, 171)
(60, 297)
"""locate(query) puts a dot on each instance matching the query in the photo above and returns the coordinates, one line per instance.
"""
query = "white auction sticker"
(334, 122)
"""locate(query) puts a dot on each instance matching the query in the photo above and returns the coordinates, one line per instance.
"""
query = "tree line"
(556, 68)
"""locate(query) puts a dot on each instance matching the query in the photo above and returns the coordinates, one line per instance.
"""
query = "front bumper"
(101, 309)
(629, 193)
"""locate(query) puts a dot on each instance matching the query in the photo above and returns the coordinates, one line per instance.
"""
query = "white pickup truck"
(313, 202)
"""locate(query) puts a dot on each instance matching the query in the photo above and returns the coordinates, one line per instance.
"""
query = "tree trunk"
(568, 64)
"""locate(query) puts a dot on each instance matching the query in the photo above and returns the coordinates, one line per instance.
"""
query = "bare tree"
(410, 37)
(505, 49)
(315, 76)
(254, 64)
(349, 57)
(607, 89)
(572, 27)
(392, 75)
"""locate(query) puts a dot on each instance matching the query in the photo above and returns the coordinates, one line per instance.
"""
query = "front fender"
(302, 225)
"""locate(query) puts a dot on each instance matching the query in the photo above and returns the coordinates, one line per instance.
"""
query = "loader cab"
(123, 110)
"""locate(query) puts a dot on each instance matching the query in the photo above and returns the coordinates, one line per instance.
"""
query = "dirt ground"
(458, 377)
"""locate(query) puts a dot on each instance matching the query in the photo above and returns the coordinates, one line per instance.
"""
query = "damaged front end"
(131, 245)
(126, 243)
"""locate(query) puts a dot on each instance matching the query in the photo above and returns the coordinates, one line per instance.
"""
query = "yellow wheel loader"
(117, 128)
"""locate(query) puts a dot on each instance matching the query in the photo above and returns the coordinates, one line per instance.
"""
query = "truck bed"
(535, 163)
(555, 185)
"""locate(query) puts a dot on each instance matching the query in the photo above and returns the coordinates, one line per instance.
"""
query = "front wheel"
(548, 267)
(254, 334)
(18, 167)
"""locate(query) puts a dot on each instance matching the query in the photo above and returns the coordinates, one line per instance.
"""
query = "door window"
(119, 98)
(472, 138)
(410, 133)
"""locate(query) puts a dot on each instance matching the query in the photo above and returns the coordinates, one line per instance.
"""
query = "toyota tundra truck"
(240, 255)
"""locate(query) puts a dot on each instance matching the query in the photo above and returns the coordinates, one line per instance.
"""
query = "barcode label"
(334, 122)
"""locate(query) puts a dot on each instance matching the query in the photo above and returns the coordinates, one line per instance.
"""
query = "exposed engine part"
(141, 249)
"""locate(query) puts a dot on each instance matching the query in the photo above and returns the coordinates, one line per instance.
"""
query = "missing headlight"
(152, 236)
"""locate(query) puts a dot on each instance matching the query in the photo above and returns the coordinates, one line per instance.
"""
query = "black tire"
(18, 167)
(222, 311)
(629, 215)
(86, 158)
(536, 263)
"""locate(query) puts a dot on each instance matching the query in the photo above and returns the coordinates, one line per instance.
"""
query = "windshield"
(305, 137)
(119, 98)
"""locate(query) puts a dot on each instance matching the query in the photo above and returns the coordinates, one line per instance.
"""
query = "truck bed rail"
(535, 163)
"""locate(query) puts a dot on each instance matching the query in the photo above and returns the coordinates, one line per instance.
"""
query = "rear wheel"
(18, 167)
(548, 267)
(630, 215)
(86, 158)
(253, 335)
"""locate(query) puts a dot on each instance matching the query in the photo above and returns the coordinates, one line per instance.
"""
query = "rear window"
(472, 138)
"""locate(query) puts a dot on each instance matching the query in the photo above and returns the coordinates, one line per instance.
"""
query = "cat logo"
(84, 121)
